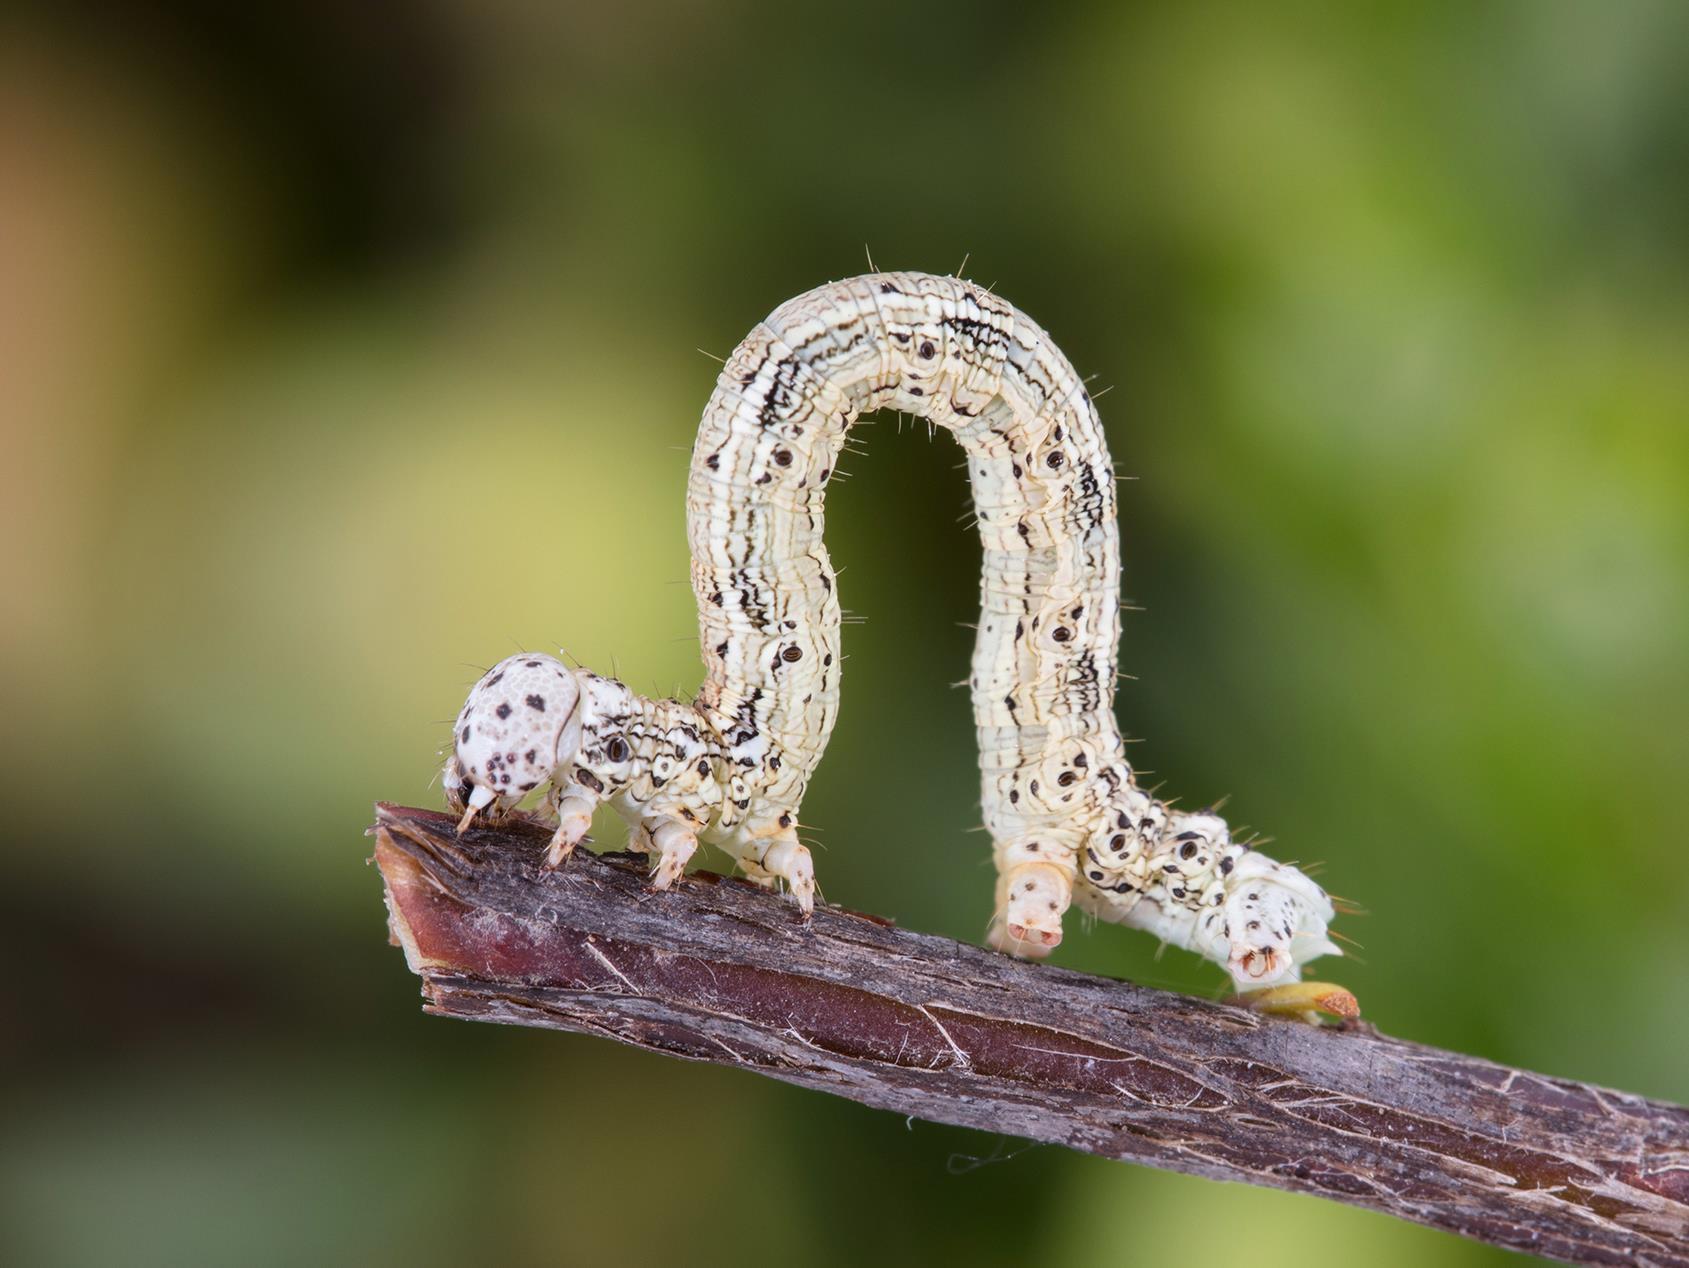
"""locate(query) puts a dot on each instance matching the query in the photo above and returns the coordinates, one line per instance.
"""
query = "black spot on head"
(503, 710)
(537, 702)
(495, 679)
(465, 736)
(532, 664)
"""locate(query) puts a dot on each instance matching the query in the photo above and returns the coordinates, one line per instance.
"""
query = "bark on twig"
(720, 971)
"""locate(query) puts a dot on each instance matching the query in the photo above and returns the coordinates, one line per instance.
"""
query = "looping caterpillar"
(1067, 819)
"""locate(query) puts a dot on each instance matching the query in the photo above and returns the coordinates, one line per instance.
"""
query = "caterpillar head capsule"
(1273, 921)
(522, 721)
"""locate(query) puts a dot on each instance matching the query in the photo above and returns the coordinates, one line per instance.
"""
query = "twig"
(718, 970)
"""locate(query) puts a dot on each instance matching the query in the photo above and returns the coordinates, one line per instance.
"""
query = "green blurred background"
(1395, 301)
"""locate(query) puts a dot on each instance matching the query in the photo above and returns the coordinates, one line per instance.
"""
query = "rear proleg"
(1034, 890)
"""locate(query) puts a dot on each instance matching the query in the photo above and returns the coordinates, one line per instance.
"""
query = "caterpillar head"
(522, 722)
(1273, 921)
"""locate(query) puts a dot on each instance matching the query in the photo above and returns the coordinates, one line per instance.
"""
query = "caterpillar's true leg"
(574, 804)
(1034, 889)
(671, 840)
(769, 860)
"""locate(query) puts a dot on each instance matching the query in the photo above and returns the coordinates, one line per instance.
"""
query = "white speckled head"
(1274, 921)
(521, 722)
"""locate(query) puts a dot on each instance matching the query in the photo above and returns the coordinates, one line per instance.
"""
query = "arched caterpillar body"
(1068, 822)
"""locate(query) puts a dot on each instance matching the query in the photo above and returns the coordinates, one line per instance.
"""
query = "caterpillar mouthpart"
(478, 800)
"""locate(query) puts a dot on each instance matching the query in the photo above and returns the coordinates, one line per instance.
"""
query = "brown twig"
(717, 970)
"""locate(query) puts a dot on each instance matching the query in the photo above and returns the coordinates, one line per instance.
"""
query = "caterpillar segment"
(1068, 822)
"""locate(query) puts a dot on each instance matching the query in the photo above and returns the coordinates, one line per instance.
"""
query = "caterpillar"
(1068, 822)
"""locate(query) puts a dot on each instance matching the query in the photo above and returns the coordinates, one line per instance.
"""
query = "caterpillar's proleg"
(1032, 898)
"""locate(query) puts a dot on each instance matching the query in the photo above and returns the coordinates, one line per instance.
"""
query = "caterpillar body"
(1068, 822)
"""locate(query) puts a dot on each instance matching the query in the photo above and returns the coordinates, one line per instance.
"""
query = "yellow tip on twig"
(1305, 1001)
